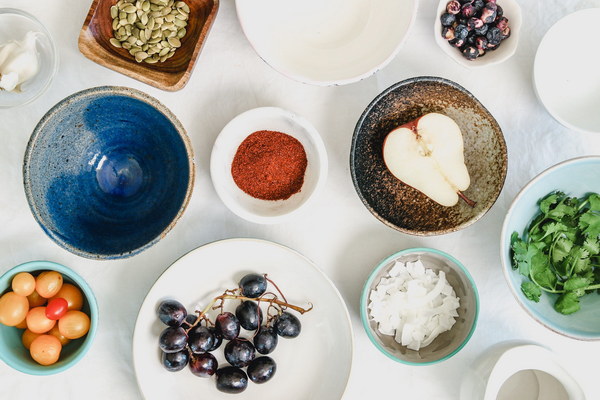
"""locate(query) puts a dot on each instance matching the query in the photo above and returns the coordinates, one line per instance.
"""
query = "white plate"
(315, 365)
(567, 71)
(326, 42)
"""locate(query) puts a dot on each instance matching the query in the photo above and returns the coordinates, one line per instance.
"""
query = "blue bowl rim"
(365, 295)
(369, 109)
(506, 264)
(89, 296)
(106, 90)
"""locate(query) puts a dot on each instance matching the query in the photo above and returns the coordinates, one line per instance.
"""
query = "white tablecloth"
(337, 232)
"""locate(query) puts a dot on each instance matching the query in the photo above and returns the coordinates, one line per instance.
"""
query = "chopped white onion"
(413, 304)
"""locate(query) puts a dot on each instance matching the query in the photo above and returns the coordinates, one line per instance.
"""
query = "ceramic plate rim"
(261, 242)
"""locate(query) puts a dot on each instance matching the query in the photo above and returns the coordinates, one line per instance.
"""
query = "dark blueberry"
(457, 42)
(478, 4)
(502, 23)
(453, 7)
(481, 52)
(239, 352)
(482, 31)
(488, 14)
(491, 47)
(171, 312)
(461, 21)
(468, 10)
(261, 369)
(481, 42)
(474, 23)
(448, 33)
(218, 338)
(172, 340)
(499, 12)
(287, 325)
(461, 32)
(227, 325)
(494, 36)
(189, 321)
(265, 340)
(253, 285)
(203, 365)
(470, 41)
(249, 314)
(200, 339)
(231, 380)
(175, 361)
(470, 53)
(505, 33)
(447, 19)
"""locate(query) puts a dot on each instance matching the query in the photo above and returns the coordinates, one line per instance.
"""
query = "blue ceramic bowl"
(12, 351)
(574, 177)
(447, 343)
(108, 171)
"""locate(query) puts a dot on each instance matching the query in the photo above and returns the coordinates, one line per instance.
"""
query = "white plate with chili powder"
(268, 158)
(315, 365)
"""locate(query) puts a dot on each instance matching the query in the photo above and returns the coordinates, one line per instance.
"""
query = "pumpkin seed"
(129, 9)
(170, 18)
(164, 51)
(115, 42)
(134, 50)
(126, 45)
(114, 12)
(173, 41)
(151, 61)
(179, 23)
(122, 15)
(141, 56)
(132, 39)
(146, 6)
(115, 24)
(181, 16)
(131, 18)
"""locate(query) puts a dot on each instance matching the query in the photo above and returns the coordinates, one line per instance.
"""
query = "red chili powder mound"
(269, 165)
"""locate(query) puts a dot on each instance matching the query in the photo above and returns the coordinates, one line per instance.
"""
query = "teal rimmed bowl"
(446, 344)
(12, 351)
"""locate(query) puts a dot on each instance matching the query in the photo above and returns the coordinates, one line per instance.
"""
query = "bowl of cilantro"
(550, 248)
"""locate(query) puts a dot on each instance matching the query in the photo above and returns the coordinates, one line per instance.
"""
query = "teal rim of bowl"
(506, 262)
(89, 297)
(365, 294)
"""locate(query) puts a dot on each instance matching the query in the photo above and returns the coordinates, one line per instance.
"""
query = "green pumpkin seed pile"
(150, 29)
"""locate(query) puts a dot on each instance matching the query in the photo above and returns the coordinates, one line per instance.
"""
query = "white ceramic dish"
(327, 42)
(227, 143)
(507, 48)
(315, 365)
(567, 72)
(14, 24)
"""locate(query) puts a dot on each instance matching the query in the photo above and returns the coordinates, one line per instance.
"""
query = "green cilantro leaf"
(590, 223)
(540, 271)
(531, 291)
(567, 303)
(561, 249)
(550, 200)
(577, 282)
(591, 245)
(594, 200)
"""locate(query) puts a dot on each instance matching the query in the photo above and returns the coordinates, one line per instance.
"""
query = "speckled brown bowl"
(402, 207)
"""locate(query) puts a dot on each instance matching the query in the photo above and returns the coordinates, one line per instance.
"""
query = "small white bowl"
(566, 73)
(505, 50)
(14, 24)
(227, 143)
(327, 42)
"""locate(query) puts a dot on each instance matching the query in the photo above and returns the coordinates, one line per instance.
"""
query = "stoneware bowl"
(108, 172)
(505, 50)
(14, 25)
(227, 143)
(327, 42)
(446, 344)
(174, 73)
(12, 351)
(575, 177)
(568, 86)
(399, 205)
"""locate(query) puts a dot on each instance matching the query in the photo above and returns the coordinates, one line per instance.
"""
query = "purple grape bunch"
(474, 27)
(189, 339)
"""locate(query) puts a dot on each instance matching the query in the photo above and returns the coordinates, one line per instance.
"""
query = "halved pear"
(428, 154)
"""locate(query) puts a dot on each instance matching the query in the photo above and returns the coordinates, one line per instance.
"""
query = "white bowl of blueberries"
(476, 33)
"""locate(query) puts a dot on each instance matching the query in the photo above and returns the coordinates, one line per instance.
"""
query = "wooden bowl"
(171, 75)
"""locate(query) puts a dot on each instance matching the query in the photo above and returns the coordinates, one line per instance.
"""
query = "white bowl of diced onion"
(419, 306)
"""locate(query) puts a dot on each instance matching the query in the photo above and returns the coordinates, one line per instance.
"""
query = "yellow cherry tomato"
(48, 283)
(35, 300)
(13, 308)
(74, 324)
(23, 284)
(45, 349)
(37, 321)
(72, 295)
(28, 337)
(56, 333)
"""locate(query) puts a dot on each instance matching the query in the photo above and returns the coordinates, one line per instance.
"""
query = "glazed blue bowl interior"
(12, 351)
(107, 173)
(576, 178)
